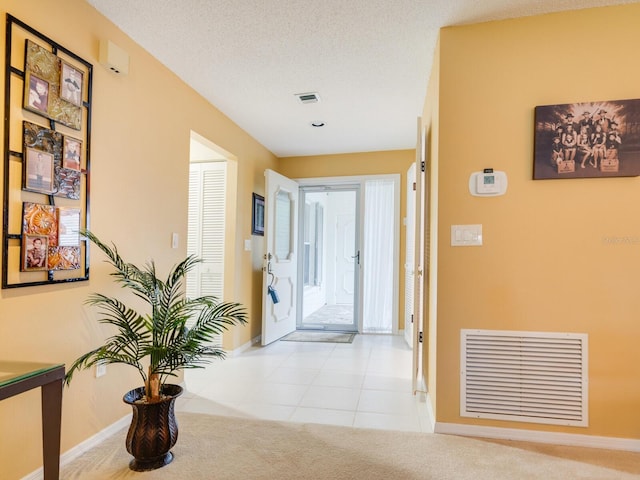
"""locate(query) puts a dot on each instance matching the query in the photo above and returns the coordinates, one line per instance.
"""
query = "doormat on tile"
(328, 337)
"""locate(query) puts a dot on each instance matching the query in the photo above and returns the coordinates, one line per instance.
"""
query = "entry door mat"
(327, 337)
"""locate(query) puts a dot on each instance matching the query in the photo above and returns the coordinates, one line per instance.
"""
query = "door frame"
(355, 187)
(203, 150)
(361, 180)
(410, 252)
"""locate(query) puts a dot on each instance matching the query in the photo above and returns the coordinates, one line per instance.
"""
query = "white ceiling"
(369, 60)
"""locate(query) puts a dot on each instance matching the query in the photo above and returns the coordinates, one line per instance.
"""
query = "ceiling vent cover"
(310, 97)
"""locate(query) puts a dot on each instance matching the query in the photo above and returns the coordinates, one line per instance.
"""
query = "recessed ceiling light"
(317, 124)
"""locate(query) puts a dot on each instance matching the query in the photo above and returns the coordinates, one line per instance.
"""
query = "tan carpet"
(220, 448)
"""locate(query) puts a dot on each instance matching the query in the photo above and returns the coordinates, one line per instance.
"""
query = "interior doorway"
(374, 253)
(362, 237)
(329, 266)
(206, 220)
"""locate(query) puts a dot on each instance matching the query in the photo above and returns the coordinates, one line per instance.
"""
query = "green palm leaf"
(160, 337)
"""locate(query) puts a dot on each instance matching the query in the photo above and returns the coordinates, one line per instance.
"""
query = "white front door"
(280, 263)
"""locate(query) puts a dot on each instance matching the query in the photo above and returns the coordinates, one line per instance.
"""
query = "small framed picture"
(36, 94)
(257, 215)
(38, 171)
(34, 252)
(71, 80)
(71, 153)
(68, 227)
(40, 219)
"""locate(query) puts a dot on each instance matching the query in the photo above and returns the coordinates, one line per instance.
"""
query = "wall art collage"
(46, 198)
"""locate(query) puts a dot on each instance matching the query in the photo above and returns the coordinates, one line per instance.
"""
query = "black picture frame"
(257, 215)
(40, 60)
(610, 140)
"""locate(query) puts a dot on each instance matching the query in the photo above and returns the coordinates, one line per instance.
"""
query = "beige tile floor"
(364, 384)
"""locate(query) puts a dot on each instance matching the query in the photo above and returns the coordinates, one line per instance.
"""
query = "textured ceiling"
(369, 60)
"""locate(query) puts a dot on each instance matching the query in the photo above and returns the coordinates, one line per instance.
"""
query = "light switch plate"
(466, 235)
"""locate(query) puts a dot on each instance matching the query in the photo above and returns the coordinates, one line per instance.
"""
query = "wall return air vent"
(537, 377)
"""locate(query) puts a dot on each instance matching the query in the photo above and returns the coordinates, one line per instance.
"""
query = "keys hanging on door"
(270, 290)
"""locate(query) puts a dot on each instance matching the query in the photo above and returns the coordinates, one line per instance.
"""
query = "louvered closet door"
(207, 190)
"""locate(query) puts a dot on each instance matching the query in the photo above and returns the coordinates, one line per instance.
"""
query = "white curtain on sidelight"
(378, 266)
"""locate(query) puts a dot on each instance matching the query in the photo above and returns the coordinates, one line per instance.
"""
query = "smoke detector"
(309, 97)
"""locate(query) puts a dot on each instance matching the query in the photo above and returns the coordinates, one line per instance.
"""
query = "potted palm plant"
(174, 334)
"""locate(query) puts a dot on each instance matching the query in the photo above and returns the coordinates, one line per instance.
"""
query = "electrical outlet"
(101, 369)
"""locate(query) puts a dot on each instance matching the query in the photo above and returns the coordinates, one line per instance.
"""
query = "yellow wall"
(366, 163)
(139, 183)
(545, 264)
(551, 269)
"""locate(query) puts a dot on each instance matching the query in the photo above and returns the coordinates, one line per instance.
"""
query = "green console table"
(18, 377)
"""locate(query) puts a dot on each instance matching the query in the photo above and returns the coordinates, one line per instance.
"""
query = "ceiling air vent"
(311, 97)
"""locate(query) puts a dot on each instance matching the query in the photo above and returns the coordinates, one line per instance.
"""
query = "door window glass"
(283, 225)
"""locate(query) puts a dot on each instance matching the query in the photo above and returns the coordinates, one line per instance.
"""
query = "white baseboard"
(421, 385)
(70, 455)
(243, 348)
(555, 438)
(432, 414)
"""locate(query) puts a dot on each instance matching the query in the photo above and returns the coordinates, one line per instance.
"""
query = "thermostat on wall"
(487, 183)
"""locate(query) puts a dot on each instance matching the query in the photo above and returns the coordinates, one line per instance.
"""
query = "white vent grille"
(310, 97)
(524, 376)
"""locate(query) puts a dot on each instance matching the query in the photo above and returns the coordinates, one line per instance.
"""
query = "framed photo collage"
(46, 171)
